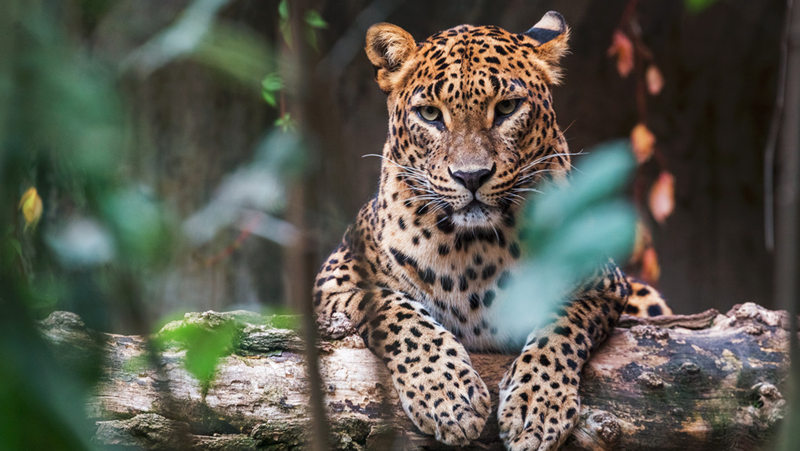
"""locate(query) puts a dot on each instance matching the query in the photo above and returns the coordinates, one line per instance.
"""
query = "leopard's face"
(472, 127)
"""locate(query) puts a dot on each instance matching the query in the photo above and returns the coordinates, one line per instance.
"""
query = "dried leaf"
(642, 141)
(655, 81)
(622, 48)
(662, 197)
(31, 205)
(651, 270)
(642, 241)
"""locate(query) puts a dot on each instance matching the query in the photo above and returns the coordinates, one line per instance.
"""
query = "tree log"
(706, 381)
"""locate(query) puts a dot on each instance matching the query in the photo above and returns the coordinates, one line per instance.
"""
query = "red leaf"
(622, 48)
(662, 197)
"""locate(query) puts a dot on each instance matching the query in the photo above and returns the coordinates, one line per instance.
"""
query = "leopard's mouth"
(473, 205)
(475, 214)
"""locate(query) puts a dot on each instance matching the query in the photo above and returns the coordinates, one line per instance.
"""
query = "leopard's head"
(471, 120)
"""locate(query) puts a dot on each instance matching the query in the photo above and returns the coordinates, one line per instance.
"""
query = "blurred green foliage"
(205, 347)
(271, 85)
(141, 225)
(235, 52)
(312, 20)
(61, 131)
(696, 6)
(569, 231)
(64, 131)
(286, 123)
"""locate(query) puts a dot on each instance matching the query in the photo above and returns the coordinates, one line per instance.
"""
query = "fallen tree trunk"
(706, 381)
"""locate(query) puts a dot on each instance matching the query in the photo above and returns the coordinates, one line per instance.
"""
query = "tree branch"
(705, 381)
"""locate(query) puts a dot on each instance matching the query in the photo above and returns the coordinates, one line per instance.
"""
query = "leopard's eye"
(430, 113)
(506, 107)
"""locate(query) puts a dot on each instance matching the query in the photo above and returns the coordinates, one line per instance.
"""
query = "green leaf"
(14, 243)
(271, 84)
(269, 98)
(47, 291)
(537, 290)
(599, 176)
(311, 38)
(286, 123)
(285, 25)
(205, 347)
(283, 10)
(314, 20)
(286, 32)
(10, 252)
(571, 231)
(603, 231)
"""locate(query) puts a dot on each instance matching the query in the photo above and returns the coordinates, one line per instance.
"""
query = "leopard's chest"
(463, 288)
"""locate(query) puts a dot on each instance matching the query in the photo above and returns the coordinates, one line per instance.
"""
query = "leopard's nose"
(473, 179)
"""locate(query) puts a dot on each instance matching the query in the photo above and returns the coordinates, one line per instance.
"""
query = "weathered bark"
(706, 381)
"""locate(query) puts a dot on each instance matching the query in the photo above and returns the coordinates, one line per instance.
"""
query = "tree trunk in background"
(711, 123)
(197, 126)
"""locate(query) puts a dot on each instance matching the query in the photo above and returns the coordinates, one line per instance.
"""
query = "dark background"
(711, 122)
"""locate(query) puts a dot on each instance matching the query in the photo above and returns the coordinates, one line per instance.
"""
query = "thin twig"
(229, 249)
(772, 140)
(302, 103)
(347, 47)
(627, 14)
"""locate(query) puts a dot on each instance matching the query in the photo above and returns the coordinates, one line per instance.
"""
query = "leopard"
(422, 270)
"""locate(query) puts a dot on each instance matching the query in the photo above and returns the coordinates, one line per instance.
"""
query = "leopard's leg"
(645, 301)
(431, 371)
(539, 402)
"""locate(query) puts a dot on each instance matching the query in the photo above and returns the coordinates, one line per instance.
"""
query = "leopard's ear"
(551, 35)
(388, 47)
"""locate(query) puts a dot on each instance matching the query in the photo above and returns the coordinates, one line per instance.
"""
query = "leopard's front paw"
(445, 397)
(539, 403)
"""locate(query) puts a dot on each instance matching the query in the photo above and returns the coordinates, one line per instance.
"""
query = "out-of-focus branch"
(787, 237)
(300, 260)
(352, 42)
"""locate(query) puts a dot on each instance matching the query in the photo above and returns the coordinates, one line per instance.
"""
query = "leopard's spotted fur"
(645, 301)
(421, 272)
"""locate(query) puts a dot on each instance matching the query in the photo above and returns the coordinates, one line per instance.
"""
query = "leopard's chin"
(476, 214)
